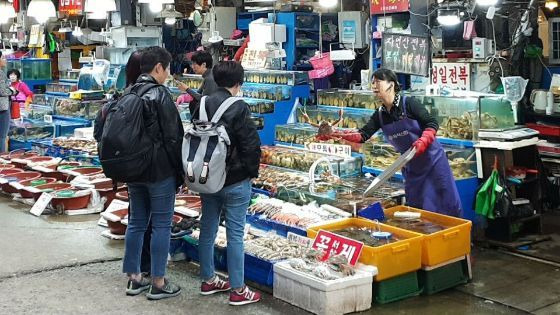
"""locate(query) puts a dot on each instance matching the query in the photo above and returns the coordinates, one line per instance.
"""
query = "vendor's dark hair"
(133, 70)
(228, 74)
(14, 71)
(389, 76)
(151, 56)
(200, 57)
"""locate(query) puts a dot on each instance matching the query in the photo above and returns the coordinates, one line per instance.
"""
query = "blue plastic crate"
(259, 270)
(18, 145)
(268, 225)
(190, 248)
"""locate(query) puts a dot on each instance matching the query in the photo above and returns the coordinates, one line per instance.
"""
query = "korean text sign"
(455, 75)
(405, 53)
(71, 7)
(388, 6)
(333, 244)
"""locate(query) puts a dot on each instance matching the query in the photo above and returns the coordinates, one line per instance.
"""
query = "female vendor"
(429, 182)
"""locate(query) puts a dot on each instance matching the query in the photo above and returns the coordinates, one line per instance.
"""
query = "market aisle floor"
(62, 265)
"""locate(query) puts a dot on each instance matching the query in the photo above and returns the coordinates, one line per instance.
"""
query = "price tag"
(341, 150)
(117, 205)
(48, 119)
(301, 240)
(41, 204)
(3, 181)
(16, 185)
(333, 244)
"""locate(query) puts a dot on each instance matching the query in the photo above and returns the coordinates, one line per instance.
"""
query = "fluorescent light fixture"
(41, 10)
(551, 4)
(328, 3)
(98, 6)
(486, 3)
(448, 17)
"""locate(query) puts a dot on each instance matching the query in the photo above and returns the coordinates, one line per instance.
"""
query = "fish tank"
(460, 117)
(193, 81)
(89, 109)
(302, 134)
(258, 106)
(277, 77)
(40, 99)
(348, 98)
(258, 121)
(35, 69)
(38, 112)
(379, 155)
(72, 74)
(351, 119)
(68, 107)
(266, 91)
(26, 130)
(61, 87)
(302, 160)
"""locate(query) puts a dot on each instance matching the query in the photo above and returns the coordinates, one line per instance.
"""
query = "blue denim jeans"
(234, 200)
(155, 202)
(4, 128)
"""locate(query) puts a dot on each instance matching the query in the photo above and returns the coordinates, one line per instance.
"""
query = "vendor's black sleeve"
(371, 127)
(417, 111)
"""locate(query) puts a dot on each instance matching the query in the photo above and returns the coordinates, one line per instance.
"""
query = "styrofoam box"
(340, 296)
(84, 133)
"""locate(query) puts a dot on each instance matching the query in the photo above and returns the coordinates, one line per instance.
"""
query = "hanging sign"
(333, 244)
(388, 6)
(452, 74)
(405, 53)
(71, 7)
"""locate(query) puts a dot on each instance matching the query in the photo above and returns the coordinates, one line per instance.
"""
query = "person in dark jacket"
(202, 65)
(429, 182)
(242, 165)
(152, 197)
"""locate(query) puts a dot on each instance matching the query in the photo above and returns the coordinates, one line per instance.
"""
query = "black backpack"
(125, 148)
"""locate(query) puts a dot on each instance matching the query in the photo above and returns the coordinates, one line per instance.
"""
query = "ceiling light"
(551, 5)
(170, 21)
(41, 10)
(448, 17)
(155, 6)
(170, 14)
(486, 3)
(77, 31)
(6, 12)
(328, 3)
(98, 6)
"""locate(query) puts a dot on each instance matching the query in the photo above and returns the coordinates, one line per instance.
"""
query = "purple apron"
(429, 182)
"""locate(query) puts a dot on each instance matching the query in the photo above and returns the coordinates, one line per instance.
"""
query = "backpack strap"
(203, 115)
(223, 108)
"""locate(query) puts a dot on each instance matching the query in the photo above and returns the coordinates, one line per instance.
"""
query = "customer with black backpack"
(230, 193)
(141, 145)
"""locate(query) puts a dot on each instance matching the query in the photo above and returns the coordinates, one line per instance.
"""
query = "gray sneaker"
(168, 290)
(134, 288)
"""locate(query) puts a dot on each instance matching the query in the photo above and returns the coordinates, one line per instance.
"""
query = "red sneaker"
(245, 297)
(215, 286)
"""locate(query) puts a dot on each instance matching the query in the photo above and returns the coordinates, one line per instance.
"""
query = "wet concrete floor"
(62, 265)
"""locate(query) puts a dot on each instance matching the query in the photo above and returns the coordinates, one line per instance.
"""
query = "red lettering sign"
(333, 244)
(71, 7)
(388, 6)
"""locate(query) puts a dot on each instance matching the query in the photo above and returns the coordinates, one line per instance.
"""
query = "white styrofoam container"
(340, 296)
(82, 133)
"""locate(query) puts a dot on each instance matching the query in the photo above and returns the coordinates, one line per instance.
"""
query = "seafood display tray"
(392, 259)
(270, 225)
(444, 277)
(442, 246)
(340, 296)
(397, 288)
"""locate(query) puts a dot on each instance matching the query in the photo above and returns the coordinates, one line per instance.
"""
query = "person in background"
(6, 91)
(202, 65)
(429, 182)
(241, 51)
(152, 199)
(242, 166)
(24, 95)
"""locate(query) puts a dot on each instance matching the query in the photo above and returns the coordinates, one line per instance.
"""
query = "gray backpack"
(205, 150)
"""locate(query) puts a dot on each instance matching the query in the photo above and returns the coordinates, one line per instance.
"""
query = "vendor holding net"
(429, 182)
